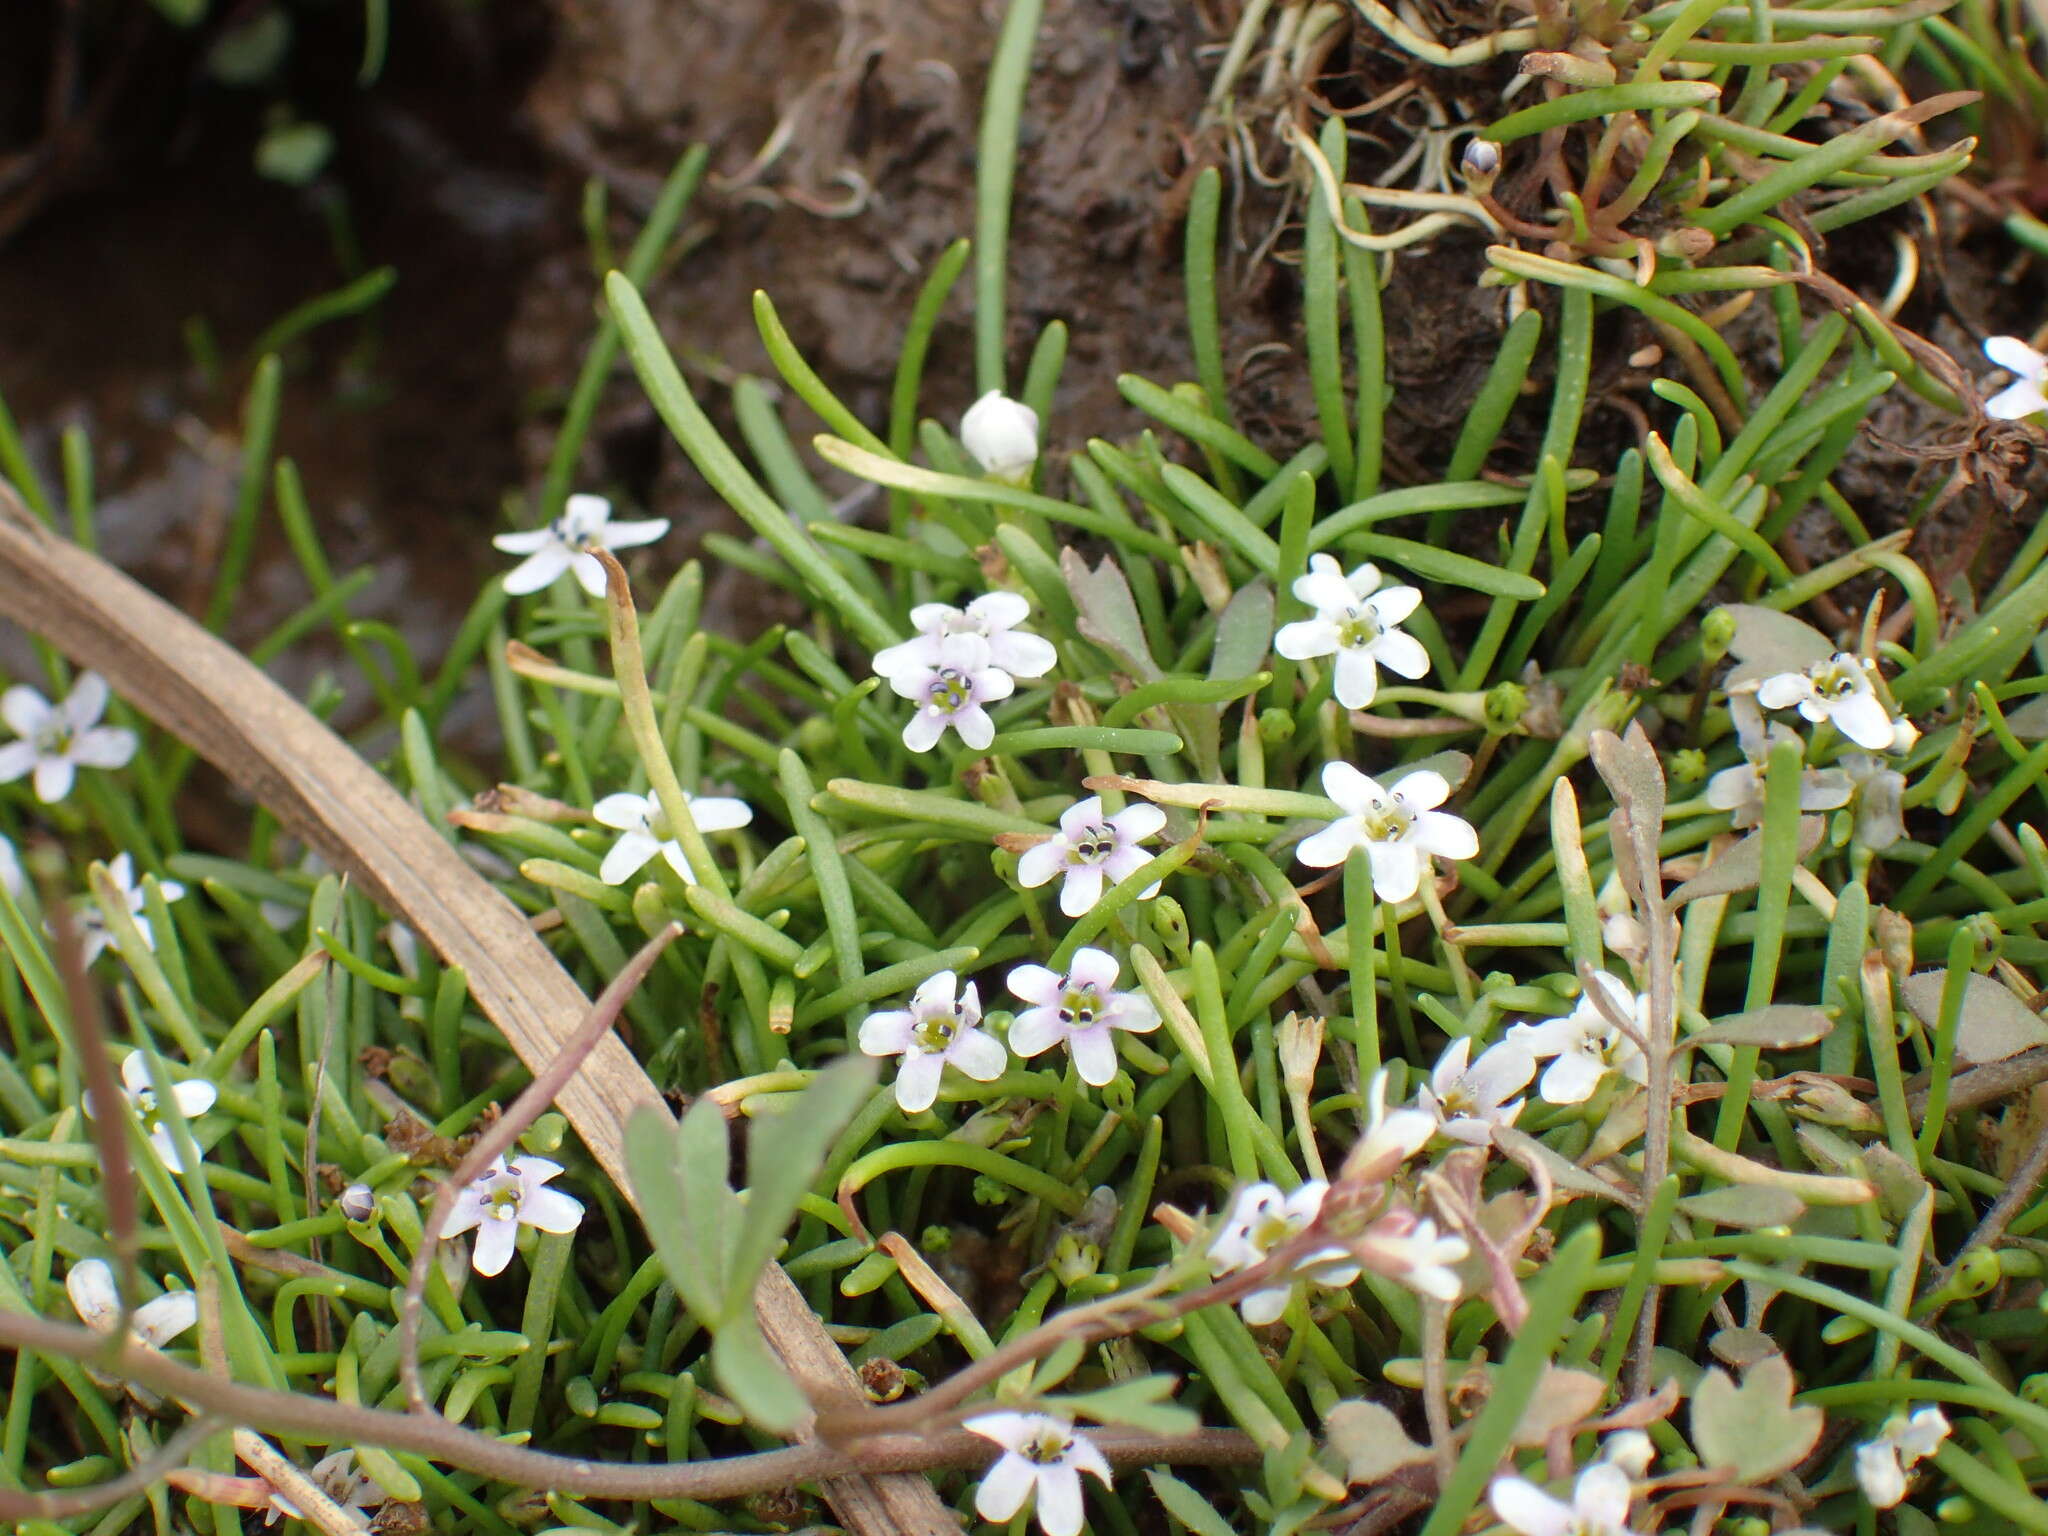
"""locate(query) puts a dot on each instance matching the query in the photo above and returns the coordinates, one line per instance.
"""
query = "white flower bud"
(358, 1202)
(1481, 160)
(1002, 434)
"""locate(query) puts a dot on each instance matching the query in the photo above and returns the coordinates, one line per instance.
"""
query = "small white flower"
(1092, 850)
(934, 1030)
(1740, 790)
(59, 739)
(1469, 1101)
(1260, 1220)
(1599, 1506)
(1408, 1248)
(92, 926)
(1882, 1464)
(646, 831)
(951, 688)
(2023, 397)
(1837, 689)
(154, 1323)
(504, 1198)
(1357, 622)
(194, 1096)
(1586, 1044)
(1002, 434)
(1042, 1455)
(566, 545)
(1079, 1008)
(993, 616)
(1391, 1136)
(1399, 828)
(337, 1476)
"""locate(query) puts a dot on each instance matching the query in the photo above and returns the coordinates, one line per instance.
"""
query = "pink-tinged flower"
(1599, 1506)
(994, 617)
(59, 739)
(1400, 829)
(1043, 1455)
(1586, 1043)
(194, 1096)
(1469, 1101)
(647, 832)
(1259, 1221)
(1079, 1008)
(2023, 397)
(1408, 1248)
(1357, 621)
(951, 690)
(1882, 1464)
(1838, 690)
(504, 1198)
(1392, 1136)
(566, 544)
(1092, 851)
(936, 1029)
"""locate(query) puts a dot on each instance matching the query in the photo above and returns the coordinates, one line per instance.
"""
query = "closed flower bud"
(1002, 434)
(1481, 163)
(358, 1202)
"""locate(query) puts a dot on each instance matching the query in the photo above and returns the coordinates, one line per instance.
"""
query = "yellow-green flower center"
(1359, 627)
(1835, 682)
(935, 1032)
(1094, 844)
(1080, 1004)
(1386, 820)
(951, 692)
(1049, 1446)
(501, 1202)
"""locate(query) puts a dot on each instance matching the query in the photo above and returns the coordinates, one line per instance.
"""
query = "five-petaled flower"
(993, 616)
(2023, 397)
(152, 1325)
(194, 1096)
(1261, 1220)
(59, 739)
(951, 686)
(1091, 849)
(935, 1029)
(504, 1198)
(1468, 1101)
(1002, 434)
(1399, 828)
(1599, 1506)
(1357, 621)
(1839, 690)
(566, 544)
(92, 923)
(1042, 1454)
(646, 832)
(1882, 1464)
(1587, 1043)
(1080, 1008)
(1740, 790)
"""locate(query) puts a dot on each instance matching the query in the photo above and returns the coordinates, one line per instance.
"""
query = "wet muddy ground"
(842, 136)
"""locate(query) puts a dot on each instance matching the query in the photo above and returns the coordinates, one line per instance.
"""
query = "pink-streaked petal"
(537, 571)
(1092, 967)
(1331, 846)
(1135, 823)
(1083, 888)
(1396, 870)
(1036, 984)
(1005, 1486)
(551, 1210)
(1035, 1031)
(1401, 652)
(626, 858)
(54, 777)
(104, 746)
(979, 1054)
(86, 702)
(1094, 1053)
(1305, 639)
(496, 1241)
(888, 1033)
(25, 711)
(719, 813)
(1357, 679)
(1352, 790)
(917, 1082)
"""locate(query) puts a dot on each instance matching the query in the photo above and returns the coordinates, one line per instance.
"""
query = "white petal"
(1038, 864)
(591, 574)
(163, 1319)
(551, 1210)
(167, 1149)
(1094, 1055)
(1023, 655)
(1393, 604)
(1732, 788)
(1036, 984)
(1267, 1306)
(1135, 823)
(1324, 587)
(1096, 968)
(1451, 1065)
(1423, 790)
(93, 1293)
(917, 1081)
(625, 812)
(1081, 815)
(2016, 357)
(888, 1033)
(105, 746)
(913, 656)
(631, 535)
(1352, 790)
(979, 1054)
(627, 856)
(1084, 1455)
(1134, 1012)
(1878, 1471)
(1331, 846)
(1865, 721)
(16, 759)
(976, 729)
(934, 619)
(1011, 1430)
(1602, 1495)
(924, 730)
(998, 610)
(935, 994)
(1398, 651)
(194, 1097)
(1781, 690)
(1571, 1078)
(718, 813)
(1529, 1509)
(584, 513)
(1059, 1501)
(2015, 403)
(25, 711)
(1005, 1486)
(1082, 890)
(86, 702)
(1396, 870)
(496, 1240)
(1036, 1031)
(1357, 679)
(1502, 1070)
(54, 776)
(1306, 638)
(538, 571)
(529, 541)
(1445, 835)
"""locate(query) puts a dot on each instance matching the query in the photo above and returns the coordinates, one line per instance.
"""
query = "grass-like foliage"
(1501, 1001)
